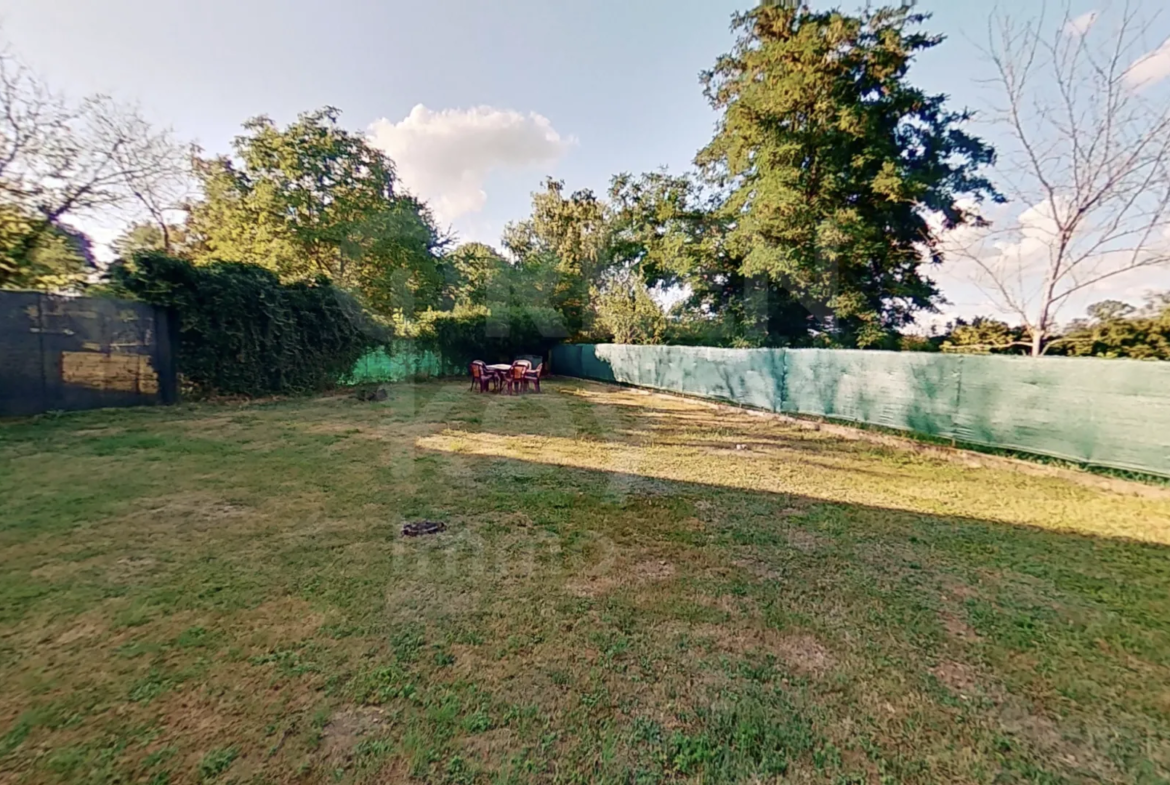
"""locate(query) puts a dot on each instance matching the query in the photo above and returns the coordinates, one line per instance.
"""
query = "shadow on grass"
(1021, 645)
(1044, 629)
(1076, 411)
(607, 604)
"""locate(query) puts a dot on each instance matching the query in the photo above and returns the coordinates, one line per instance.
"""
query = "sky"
(476, 102)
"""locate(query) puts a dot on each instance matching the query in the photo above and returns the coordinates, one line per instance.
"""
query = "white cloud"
(1016, 253)
(1036, 233)
(1150, 68)
(444, 157)
(1079, 26)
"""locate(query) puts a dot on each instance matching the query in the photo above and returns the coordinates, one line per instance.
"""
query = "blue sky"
(579, 90)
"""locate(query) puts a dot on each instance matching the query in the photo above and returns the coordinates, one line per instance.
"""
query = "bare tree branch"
(1087, 164)
(62, 159)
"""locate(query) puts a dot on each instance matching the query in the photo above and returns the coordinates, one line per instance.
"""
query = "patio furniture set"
(513, 378)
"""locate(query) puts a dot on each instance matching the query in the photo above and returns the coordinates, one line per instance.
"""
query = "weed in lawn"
(216, 762)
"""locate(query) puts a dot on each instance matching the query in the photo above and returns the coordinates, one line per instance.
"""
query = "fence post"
(784, 360)
(166, 331)
(45, 361)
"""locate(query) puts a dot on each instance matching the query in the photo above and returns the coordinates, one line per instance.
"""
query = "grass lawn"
(631, 588)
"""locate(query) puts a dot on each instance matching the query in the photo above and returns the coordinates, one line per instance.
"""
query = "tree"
(150, 236)
(139, 237)
(166, 201)
(833, 164)
(626, 311)
(475, 270)
(61, 159)
(676, 235)
(1116, 329)
(1089, 160)
(315, 199)
(1110, 311)
(982, 335)
(59, 256)
(570, 237)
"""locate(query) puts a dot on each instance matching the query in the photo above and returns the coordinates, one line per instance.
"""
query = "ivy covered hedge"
(496, 335)
(243, 332)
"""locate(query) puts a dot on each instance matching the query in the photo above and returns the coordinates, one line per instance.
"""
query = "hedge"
(243, 332)
(499, 335)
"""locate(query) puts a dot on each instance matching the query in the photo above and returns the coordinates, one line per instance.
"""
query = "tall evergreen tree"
(833, 163)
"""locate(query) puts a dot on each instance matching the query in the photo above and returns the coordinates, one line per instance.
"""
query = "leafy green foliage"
(984, 335)
(36, 253)
(479, 276)
(494, 308)
(1116, 329)
(1112, 329)
(663, 224)
(475, 273)
(566, 244)
(919, 343)
(217, 761)
(832, 162)
(148, 237)
(626, 311)
(142, 237)
(243, 332)
(677, 235)
(493, 335)
(315, 200)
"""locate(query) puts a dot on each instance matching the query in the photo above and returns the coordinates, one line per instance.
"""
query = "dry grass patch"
(631, 588)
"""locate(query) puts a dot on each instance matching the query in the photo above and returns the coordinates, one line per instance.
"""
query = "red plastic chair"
(480, 375)
(533, 376)
(515, 377)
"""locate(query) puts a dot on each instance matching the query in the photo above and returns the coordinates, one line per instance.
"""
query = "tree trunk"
(1037, 342)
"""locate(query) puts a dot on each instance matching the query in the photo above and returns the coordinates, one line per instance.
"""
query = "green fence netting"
(1113, 413)
(398, 363)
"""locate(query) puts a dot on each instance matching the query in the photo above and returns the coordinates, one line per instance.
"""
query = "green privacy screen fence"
(399, 362)
(1113, 413)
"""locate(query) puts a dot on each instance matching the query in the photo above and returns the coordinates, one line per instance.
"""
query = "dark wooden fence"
(67, 353)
